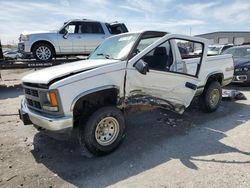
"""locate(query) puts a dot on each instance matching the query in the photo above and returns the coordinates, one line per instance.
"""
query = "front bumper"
(48, 123)
(24, 48)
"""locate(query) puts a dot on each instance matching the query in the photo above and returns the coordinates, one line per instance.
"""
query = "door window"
(188, 57)
(73, 27)
(185, 59)
(92, 27)
(160, 58)
(116, 28)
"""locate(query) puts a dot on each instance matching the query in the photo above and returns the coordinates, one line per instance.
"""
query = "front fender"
(85, 93)
(44, 38)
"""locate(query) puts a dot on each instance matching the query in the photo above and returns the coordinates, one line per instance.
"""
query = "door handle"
(191, 86)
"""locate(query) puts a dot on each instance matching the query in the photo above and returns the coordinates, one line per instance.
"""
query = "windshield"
(145, 42)
(242, 52)
(117, 47)
(61, 30)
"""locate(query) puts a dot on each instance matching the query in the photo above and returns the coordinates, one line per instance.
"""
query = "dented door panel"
(164, 89)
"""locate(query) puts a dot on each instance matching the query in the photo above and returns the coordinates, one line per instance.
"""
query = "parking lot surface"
(161, 149)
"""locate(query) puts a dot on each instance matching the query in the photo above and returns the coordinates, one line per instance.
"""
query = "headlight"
(52, 102)
(245, 69)
(24, 37)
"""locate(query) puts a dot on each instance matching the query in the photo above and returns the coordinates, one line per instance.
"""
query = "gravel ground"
(161, 149)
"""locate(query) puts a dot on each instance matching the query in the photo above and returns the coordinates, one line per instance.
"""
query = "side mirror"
(141, 66)
(65, 34)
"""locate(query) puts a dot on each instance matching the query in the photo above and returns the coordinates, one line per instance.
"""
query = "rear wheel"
(211, 97)
(103, 131)
(43, 52)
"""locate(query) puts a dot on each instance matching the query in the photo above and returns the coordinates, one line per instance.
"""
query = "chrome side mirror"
(65, 34)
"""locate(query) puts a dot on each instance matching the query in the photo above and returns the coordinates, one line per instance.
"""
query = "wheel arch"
(215, 76)
(88, 101)
(42, 41)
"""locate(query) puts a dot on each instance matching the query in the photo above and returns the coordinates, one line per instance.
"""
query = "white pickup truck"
(150, 68)
(75, 37)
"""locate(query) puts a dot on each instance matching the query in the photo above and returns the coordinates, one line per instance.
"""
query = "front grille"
(34, 104)
(32, 96)
(36, 98)
(31, 92)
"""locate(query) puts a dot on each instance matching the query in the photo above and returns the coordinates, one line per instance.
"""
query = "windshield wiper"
(105, 55)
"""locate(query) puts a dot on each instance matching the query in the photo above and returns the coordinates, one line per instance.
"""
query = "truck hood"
(37, 32)
(241, 62)
(45, 76)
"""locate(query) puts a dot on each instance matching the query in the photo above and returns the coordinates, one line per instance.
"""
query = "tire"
(103, 131)
(43, 52)
(211, 97)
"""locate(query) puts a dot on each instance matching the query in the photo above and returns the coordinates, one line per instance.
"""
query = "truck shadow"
(10, 91)
(238, 86)
(153, 138)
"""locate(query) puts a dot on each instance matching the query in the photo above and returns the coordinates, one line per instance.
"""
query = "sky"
(175, 16)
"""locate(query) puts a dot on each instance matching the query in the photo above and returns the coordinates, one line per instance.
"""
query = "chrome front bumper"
(48, 123)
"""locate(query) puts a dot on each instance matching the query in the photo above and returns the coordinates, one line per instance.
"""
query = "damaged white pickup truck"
(145, 68)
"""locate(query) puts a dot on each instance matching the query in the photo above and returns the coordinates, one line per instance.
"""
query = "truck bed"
(225, 64)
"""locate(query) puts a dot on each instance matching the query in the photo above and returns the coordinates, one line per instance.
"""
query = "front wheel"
(211, 97)
(43, 52)
(103, 131)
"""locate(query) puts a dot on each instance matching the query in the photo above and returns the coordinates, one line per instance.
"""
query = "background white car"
(217, 49)
(12, 55)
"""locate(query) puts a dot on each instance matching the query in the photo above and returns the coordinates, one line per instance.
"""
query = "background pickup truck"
(76, 37)
(150, 68)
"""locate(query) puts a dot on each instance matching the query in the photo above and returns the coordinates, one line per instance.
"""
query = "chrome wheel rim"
(214, 97)
(107, 131)
(43, 53)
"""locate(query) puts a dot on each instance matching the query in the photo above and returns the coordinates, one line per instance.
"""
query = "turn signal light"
(53, 99)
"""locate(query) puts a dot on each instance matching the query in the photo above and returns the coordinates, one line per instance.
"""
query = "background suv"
(75, 37)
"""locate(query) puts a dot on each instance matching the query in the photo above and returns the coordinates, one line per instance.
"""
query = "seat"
(160, 59)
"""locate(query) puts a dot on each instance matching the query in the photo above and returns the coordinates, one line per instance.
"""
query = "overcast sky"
(176, 16)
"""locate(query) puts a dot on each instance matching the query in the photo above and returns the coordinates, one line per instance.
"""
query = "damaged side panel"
(139, 98)
(161, 89)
